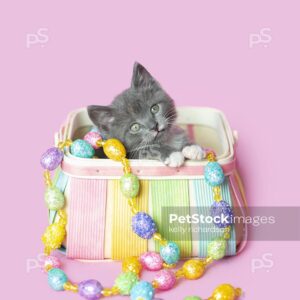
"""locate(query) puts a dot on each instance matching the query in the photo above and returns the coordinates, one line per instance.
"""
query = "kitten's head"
(141, 115)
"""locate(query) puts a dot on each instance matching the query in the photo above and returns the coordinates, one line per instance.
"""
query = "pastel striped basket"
(99, 219)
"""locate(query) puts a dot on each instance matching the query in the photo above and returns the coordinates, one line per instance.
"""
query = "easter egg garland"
(128, 283)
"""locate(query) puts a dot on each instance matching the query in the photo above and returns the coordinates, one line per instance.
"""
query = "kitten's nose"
(155, 127)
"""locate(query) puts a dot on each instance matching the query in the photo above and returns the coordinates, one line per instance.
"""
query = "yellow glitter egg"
(53, 236)
(193, 269)
(226, 292)
(132, 264)
(114, 149)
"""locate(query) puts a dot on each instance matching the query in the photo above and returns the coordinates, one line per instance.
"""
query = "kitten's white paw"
(193, 152)
(176, 159)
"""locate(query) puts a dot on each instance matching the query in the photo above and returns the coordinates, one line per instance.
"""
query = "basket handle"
(235, 134)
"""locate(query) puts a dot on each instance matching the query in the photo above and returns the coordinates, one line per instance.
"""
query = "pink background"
(200, 52)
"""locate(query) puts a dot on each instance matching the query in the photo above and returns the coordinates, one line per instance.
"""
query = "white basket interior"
(213, 132)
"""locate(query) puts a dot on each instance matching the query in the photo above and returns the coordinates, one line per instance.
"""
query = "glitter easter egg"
(213, 174)
(192, 298)
(193, 269)
(222, 214)
(226, 292)
(50, 262)
(130, 185)
(54, 236)
(95, 129)
(54, 198)
(165, 280)
(125, 281)
(143, 225)
(151, 261)
(216, 249)
(52, 158)
(92, 138)
(170, 253)
(143, 290)
(132, 264)
(114, 149)
(82, 149)
(56, 279)
(90, 289)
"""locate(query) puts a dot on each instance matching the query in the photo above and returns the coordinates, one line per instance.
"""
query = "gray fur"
(158, 137)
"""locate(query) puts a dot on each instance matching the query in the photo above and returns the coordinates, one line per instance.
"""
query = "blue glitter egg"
(170, 253)
(223, 211)
(213, 173)
(83, 149)
(143, 290)
(143, 225)
(95, 129)
(56, 279)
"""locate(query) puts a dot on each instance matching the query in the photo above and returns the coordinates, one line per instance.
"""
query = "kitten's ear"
(101, 116)
(141, 78)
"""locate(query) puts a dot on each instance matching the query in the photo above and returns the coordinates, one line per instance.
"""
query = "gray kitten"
(143, 118)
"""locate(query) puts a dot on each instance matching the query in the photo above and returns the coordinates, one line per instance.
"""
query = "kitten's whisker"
(140, 146)
(171, 118)
(144, 144)
(170, 114)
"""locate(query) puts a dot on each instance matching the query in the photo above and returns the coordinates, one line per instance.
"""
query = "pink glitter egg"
(92, 137)
(151, 261)
(50, 262)
(165, 279)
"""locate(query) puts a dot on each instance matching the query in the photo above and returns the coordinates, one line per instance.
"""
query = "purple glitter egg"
(52, 158)
(90, 289)
(143, 225)
(222, 214)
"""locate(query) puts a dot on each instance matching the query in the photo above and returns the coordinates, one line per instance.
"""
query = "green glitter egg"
(125, 281)
(82, 149)
(192, 298)
(54, 198)
(217, 248)
(130, 185)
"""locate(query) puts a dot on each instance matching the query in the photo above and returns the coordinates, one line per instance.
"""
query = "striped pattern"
(204, 199)
(165, 195)
(194, 227)
(86, 218)
(237, 191)
(109, 218)
(99, 219)
(124, 241)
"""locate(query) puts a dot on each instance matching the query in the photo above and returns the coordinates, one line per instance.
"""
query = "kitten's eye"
(135, 127)
(155, 109)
